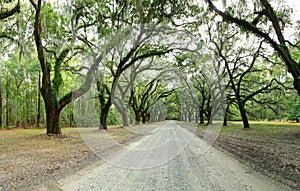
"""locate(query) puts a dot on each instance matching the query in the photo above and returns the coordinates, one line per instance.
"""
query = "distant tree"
(144, 96)
(130, 78)
(172, 102)
(145, 19)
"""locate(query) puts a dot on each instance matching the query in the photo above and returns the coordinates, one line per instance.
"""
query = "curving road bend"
(169, 159)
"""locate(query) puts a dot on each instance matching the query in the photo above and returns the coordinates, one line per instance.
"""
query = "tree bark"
(104, 105)
(137, 119)
(7, 101)
(196, 117)
(189, 115)
(17, 106)
(243, 115)
(130, 119)
(225, 121)
(51, 105)
(123, 112)
(104, 114)
(125, 119)
(38, 117)
(145, 117)
(0, 93)
(53, 126)
(144, 120)
(225, 116)
(209, 119)
(71, 116)
(201, 116)
(27, 120)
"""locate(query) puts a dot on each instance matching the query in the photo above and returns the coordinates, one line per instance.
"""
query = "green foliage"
(172, 103)
(73, 34)
(113, 118)
(295, 114)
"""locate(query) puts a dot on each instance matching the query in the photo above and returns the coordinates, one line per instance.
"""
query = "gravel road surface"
(168, 158)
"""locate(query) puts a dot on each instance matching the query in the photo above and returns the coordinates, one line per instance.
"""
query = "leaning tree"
(59, 39)
(268, 21)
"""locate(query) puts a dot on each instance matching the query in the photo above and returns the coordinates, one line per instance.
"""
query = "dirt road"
(169, 158)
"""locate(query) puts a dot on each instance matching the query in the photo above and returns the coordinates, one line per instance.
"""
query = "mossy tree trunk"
(50, 88)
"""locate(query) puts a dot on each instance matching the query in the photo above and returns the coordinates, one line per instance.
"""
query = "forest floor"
(29, 157)
(272, 148)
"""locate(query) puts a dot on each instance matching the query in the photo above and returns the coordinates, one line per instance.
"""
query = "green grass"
(282, 131)
(14, 140)
(269, 130)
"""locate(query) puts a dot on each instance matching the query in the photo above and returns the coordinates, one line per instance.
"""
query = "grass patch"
(265, 130)
(281, 131)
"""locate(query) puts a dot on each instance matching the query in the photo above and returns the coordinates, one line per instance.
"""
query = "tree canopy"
(145, 61)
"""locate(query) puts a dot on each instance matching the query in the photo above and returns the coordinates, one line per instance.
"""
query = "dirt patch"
(29, 158)
(62, 136)
(279, 160)
(274, 151)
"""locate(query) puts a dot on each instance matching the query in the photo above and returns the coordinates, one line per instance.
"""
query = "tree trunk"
(51, 106)
(104, 114)
(137, 118)
(50, 93)
(52, 115)
(189, 115)
(279, 114)
(53, 126)
(196, 117)
(225, 120)
(123, 111)
(7, 102)
(201, 116)
(0, 93)
(27, 120)
(103, 117)
(71, 116)
(38, 117)
(209, 116)
(124, 116)
(209, 120)
(225, 116)
(244, 115)
(130, 119)
(209, 110)
(201, 109)
(144, 119)
(125, 119)
(17, 106)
